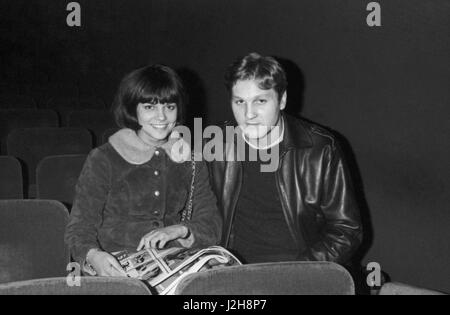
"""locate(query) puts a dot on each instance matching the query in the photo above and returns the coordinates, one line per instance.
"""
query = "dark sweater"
(260, 231)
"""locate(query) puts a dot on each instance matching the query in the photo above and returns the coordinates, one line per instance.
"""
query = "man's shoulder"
(317, 135)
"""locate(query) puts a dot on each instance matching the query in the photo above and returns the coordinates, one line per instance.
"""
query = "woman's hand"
(104, 264)
(160, 237)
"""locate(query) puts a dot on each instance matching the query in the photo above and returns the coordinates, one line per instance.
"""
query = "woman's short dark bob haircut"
(265, 69)
(152, 84)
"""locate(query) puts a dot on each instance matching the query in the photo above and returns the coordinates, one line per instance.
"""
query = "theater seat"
(33, 144)
(65, 105)
(32, 240)
(108, 133)
(57, 176)
(11, 119)
(14, 101)
(396, 288)
(96, 121)
(286, 278)
(11, 183)
(87, 286)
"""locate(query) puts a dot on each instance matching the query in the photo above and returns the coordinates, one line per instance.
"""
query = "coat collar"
(130, 147)
(296, 136)
(135, 151)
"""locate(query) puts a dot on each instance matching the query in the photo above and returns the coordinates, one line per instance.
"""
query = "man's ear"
(283, 101)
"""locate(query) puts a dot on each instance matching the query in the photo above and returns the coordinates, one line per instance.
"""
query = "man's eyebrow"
(256, 96)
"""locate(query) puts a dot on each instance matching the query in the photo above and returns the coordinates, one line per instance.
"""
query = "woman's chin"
(158, 135)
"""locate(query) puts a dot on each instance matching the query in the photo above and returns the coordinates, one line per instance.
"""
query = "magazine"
(164, 269)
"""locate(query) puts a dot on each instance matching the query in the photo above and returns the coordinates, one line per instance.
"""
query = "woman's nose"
(161, 114)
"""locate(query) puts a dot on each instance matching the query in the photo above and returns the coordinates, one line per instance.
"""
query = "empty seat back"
(57, 176)
(396, 288)
(87, 286)
(286, 278)
(31, 145)
(11, 183)
(14, 101)
(97, 121)
(65, 105)
(32, 240)
(11, 119)
(108, 133)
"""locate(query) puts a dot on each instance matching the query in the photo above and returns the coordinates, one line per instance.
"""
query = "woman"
(132, 190)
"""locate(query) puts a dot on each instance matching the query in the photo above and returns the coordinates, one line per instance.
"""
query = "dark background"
(385, 90)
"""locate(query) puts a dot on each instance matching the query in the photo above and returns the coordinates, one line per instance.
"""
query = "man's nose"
(249, 112)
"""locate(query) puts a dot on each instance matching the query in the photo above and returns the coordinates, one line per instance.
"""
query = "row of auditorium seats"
(55, 102)
(34, 259)
(32, 247)
(62, 105)
(56, 178)
(96, 121)
(31, 152)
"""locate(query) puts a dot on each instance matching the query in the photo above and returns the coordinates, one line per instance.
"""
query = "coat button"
(156, 212)
(157, 193)
(156, 173)
(157, 152)
(156, 224)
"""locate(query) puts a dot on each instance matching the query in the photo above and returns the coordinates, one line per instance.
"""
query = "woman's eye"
(171, 107)
(149, 107)
(239, 102)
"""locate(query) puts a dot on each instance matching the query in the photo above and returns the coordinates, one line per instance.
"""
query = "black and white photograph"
(227, 152)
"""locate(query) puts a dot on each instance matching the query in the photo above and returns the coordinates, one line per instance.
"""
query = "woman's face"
(157, 120)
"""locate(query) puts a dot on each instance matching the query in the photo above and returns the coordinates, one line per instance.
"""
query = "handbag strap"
(187, 212)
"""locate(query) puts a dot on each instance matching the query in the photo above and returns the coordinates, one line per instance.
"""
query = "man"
(305, 208)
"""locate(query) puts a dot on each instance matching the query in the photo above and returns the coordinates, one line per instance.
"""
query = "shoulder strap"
(187, 212)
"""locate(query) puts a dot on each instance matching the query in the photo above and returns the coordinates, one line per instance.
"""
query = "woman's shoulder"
(104, 154)
(104, 151)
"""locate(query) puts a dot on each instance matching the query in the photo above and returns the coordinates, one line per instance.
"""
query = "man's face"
(256, 111)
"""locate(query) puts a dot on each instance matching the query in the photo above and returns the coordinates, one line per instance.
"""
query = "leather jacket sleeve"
(341, 232)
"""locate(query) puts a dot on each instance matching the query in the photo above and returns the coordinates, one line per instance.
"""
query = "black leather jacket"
(315, 190)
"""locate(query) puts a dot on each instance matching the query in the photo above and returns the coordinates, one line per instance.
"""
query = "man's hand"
(104, 264)
(160, 237)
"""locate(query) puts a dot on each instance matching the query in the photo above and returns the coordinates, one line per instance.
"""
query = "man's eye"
(261, 101)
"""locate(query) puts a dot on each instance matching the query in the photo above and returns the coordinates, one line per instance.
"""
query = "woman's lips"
(163, 126)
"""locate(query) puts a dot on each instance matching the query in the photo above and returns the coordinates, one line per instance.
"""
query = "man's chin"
(255, 133)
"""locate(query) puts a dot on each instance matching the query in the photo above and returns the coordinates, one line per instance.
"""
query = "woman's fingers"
(141, 244)
(117, 268)
(162, 243)
(155, 240)
(159, 238)
(114, 269)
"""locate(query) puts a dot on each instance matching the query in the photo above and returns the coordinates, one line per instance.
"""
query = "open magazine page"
(163, 269)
